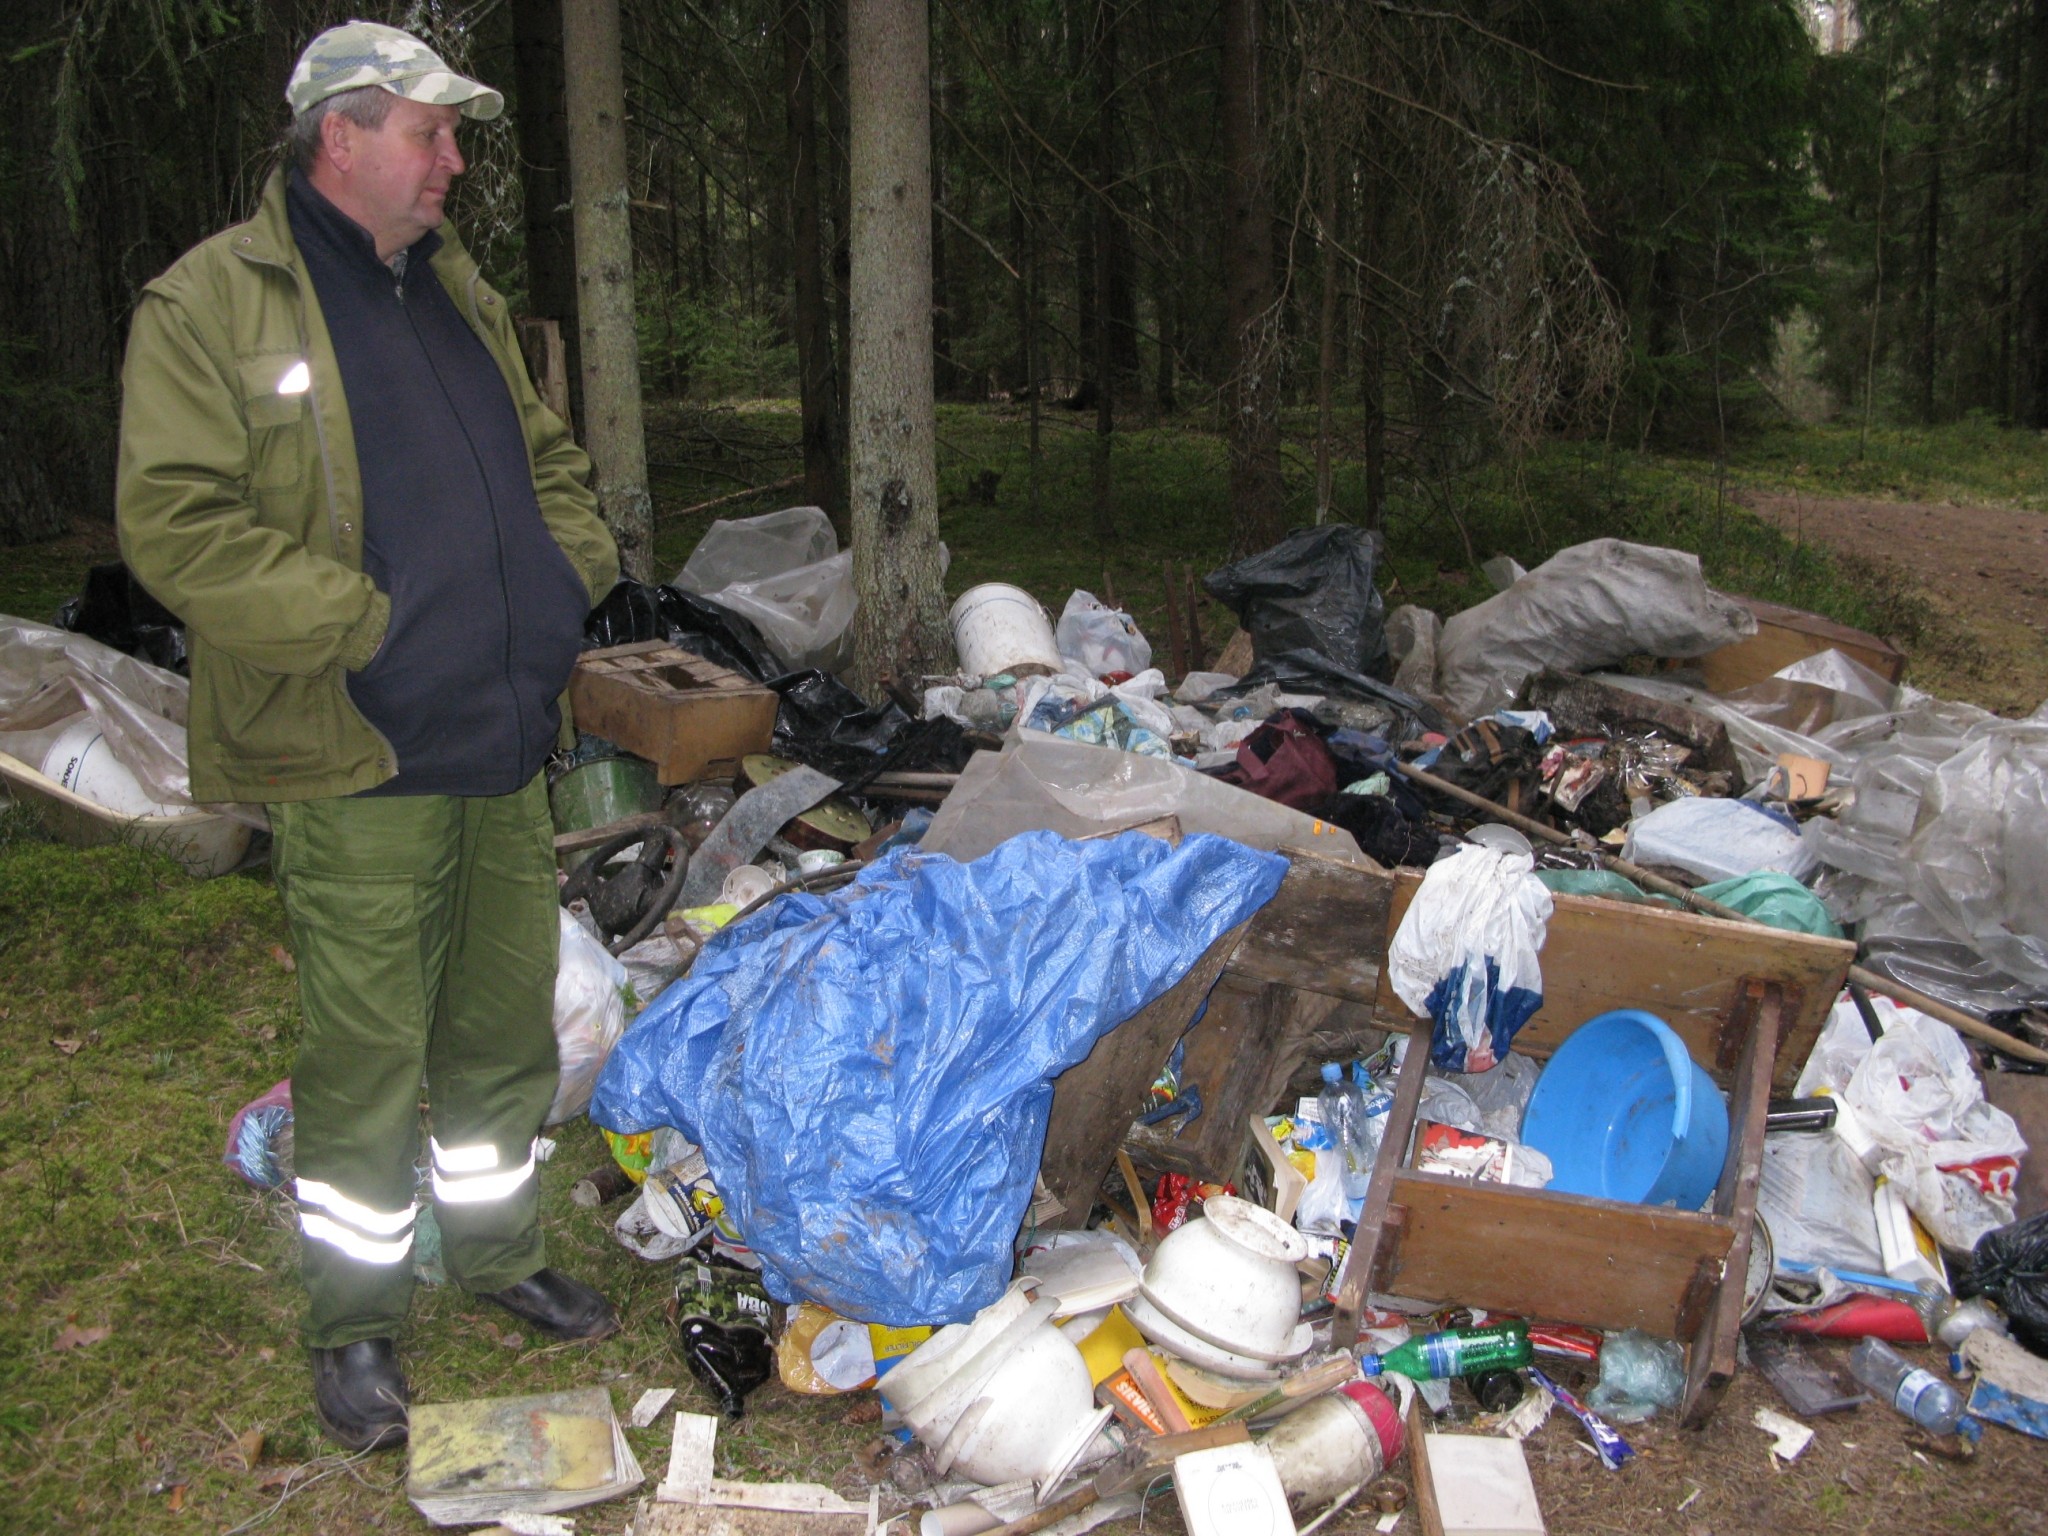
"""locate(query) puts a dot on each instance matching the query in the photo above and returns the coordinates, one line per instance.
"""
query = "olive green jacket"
(239, 504)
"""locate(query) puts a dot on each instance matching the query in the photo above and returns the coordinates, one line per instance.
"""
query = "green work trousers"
(425, 929)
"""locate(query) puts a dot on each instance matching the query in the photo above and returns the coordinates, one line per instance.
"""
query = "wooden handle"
(1052, 1514)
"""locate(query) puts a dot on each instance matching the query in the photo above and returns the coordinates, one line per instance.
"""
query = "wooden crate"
(1786, 635)
(1747, 1001)
(688, 717)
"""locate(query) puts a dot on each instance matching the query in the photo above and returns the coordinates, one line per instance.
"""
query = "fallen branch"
(720, 501)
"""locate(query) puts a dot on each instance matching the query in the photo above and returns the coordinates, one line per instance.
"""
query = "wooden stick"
(727, 500)
(1864, 977)
(1176, 651)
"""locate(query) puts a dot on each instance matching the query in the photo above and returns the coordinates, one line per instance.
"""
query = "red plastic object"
(1564, 1340)
(1860, 1317)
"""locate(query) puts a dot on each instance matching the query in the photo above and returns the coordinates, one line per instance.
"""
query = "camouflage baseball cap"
(363, 53)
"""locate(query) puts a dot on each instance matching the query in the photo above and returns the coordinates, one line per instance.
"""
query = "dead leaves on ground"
(75, 1337)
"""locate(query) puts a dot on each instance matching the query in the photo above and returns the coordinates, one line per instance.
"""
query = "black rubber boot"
(360, 1395)
(557, 1305)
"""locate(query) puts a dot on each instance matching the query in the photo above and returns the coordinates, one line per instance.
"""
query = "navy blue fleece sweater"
(486, 611)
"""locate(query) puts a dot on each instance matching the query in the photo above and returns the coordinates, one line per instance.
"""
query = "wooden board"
(1711, 1362)
(1249, 1041)
(1565, 1258)
(1786, 635)
(1094, 1102)
(687, 716)
(1325, 930)
(1688, 970)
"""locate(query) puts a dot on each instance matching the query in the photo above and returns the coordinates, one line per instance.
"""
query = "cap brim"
(444, 88)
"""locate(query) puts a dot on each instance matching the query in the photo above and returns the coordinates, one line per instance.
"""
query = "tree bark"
(899, 629)
(1326, 339)
(818, 389)
(1104, 361)
(612, 428)
(543, 129)
(1251, 395)
(2031, 404)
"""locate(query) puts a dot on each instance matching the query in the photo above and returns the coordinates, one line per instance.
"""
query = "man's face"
(394, 179)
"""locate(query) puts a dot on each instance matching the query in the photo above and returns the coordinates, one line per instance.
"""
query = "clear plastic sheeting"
(784, 573)
(869, 1073)
(1040, 782)
(1717, 839)
(1588, 606)
(50, 677)
(1815, 1196)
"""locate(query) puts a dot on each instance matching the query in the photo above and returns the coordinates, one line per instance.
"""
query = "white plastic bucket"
(1001, 628)
(82, 761)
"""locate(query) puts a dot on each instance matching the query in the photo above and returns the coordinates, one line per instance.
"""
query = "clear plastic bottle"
(1919, 1394)
(1342, 1109)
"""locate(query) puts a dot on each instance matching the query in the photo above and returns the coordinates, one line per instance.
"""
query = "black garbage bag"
(2010, 1265)
(115, 610)
(827, 726)
(1313, 591)
(1381, 827)
(635, 611)
(1310, 672)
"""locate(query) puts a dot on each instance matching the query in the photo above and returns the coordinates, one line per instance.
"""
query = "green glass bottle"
(1456, 1352)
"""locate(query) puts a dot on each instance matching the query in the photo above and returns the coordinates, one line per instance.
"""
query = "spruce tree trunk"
(1251, 397)
(899, 629)
(543, 131)
(818, 389)
(1326, 348)
(612, 429)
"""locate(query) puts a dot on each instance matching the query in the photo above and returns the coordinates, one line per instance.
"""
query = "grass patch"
(1974, 462)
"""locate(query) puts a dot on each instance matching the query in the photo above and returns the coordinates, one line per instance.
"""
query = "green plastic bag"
(1776, 899)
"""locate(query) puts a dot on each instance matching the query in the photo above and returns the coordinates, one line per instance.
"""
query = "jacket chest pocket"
(276, 396)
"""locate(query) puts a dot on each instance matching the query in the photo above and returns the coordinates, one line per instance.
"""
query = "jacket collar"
(266, 236)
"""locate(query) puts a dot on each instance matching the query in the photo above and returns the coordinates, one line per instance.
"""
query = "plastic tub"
(1000, 628)
(82, 760)
(1624, 1113)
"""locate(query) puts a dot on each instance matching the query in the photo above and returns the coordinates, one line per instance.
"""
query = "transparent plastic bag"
(1717, 839)
(1639, 1374)
(590, 1015)
(785, 574)
(1099, 639)
(1815, 1197)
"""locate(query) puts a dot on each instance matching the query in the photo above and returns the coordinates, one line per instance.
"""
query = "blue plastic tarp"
(870, 1072)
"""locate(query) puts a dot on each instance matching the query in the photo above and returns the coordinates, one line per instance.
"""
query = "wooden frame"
(1747, 1001)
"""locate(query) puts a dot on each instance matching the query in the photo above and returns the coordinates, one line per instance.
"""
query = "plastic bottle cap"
(1332, 1073)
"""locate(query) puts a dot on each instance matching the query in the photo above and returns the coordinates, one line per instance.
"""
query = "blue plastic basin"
(1624, 1113)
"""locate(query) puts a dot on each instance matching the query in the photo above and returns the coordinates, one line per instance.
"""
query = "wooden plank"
(1094, 1102)
(1565, 1258)
(1712, 1359)
(1325, 930)
(1249, 1041)
(1365, 1262)
(1688, 970)
(1786, 635)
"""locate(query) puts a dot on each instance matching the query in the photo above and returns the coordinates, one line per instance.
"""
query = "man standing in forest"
(335, 470)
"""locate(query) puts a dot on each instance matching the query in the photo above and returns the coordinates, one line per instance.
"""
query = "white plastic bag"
(1588, 606)
(1466, 954)
(1099, 639)
(1717, 839)
(1953, 1156)
(590, 1015)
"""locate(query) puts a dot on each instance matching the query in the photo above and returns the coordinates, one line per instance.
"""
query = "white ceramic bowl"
(1226, 1281)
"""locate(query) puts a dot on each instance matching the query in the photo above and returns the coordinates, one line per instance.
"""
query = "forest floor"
(149, 1376)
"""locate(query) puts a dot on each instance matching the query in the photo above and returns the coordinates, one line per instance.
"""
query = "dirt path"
(1984, 570)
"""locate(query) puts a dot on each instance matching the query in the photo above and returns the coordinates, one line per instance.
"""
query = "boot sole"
(383, 1438)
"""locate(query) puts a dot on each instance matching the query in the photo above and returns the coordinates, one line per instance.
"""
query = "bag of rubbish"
(1099, 639)
(784, 573)
(1639, 1374)
(260, 1141)
(1313, 591)
(1815, 1196)
(1717, 839)
(869, 1072)
(1466, 954)
(634, 612)
(117, 610)
(1953, 1156)
(1400, 716)
(826, 724)
(2010, 1265)
(590, 1015)
(1413, 635)
(1589, 606)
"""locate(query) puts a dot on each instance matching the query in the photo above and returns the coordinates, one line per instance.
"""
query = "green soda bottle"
(1455, 1352)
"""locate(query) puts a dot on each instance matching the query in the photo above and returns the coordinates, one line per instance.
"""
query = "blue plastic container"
(1624, 1113)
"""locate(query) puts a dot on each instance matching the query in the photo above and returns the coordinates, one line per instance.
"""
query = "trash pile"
(853, 988)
